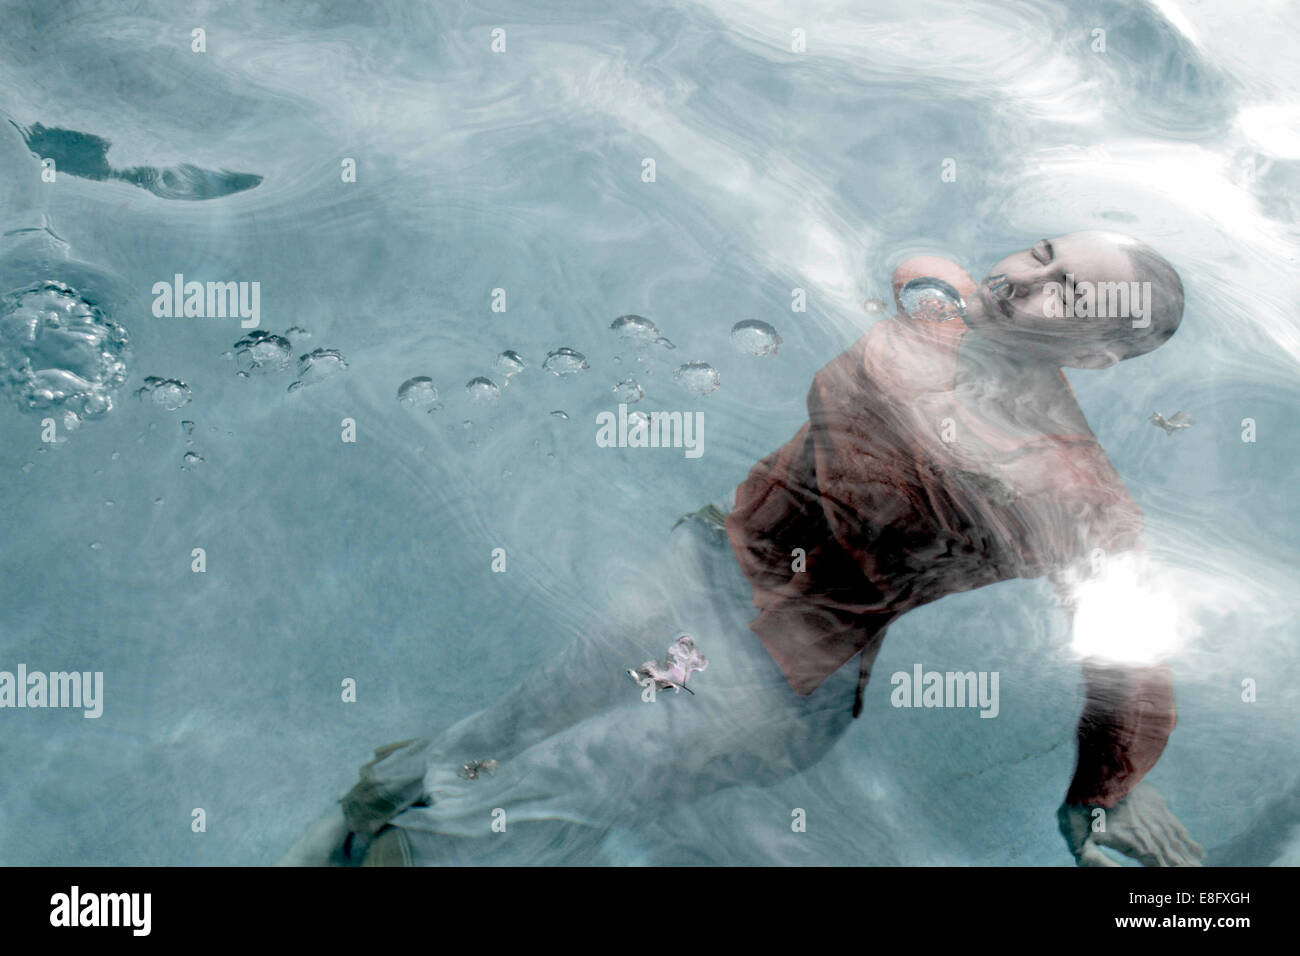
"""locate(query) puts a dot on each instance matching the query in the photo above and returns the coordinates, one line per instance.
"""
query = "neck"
(1020, 387)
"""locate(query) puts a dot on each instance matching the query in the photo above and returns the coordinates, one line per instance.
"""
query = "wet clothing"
(895, 494)
(892, 495)
(577, 743)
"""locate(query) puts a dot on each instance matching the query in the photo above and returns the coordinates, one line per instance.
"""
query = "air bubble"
(755, 337)
(260, 353)
(318, 365)
(419, 393)
(628, 392)
(170, 393)
(482, 390)
(565, 361)
(636, 328)
(510, 364)
(698, 378)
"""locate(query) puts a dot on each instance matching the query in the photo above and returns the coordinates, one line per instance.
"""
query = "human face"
(1022, 302)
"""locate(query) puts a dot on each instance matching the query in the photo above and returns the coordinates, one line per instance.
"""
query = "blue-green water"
(967, 131)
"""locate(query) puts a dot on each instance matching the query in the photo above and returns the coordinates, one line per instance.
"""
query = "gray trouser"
(577, 742)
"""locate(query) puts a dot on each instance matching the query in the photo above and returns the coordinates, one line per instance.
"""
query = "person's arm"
(1123, 628)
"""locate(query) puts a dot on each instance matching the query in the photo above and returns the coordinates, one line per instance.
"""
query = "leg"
(577, 743)
(617, 759)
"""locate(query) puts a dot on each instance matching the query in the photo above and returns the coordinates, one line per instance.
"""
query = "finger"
(1131, 843)
(1191, 852)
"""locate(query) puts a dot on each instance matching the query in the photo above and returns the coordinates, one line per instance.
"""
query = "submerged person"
(944, 451)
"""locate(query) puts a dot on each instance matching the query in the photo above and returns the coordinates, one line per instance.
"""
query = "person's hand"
(1141, 826)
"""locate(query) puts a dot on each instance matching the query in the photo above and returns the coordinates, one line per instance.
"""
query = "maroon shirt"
(888, 515)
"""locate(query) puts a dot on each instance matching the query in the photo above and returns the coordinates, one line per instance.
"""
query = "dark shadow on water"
(86, 156)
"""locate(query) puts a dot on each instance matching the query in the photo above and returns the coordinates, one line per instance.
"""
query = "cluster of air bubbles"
(59, 351)
(698, 378)
(261, 352)
(168, 393)
(419, 393)
(629, 392)
(482, 390)
(317, 366)
(754, 337)
(565, 361)
(510, 364)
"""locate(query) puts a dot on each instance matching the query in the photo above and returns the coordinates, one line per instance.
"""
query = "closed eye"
(1043, 252)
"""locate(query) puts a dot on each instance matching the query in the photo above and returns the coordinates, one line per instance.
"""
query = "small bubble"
(158, 501)
(628, 392)
(109, 503)
(191, 460)
(635, 328)
(874, 306)
(754, 337)
(318, 365)
(419, 393)
(565, 361)
(260, 353)
(664, 343)
(510, 363)
(482, 390)
(115, 456)
(29, 466)
(187, 428)
(558, 413)
(170, 393)
(698, 378)
(96, 546)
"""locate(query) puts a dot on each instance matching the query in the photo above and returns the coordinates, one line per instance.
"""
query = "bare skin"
(1009, 377)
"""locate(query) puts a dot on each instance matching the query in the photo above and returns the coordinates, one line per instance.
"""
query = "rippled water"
(500, 208)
